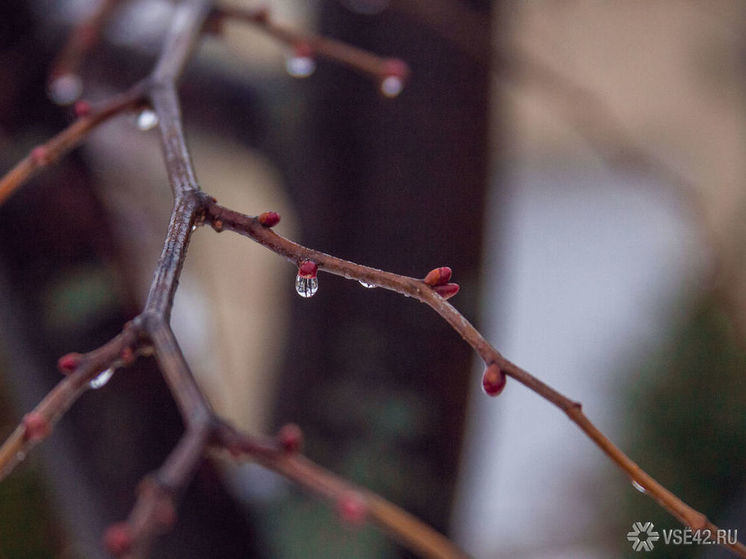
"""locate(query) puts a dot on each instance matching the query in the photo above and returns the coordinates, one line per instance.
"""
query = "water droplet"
(365, 284)
(391, 86)
(147, 120)
(65, 89)
(639, 487)
(101, 379)
(194, 228)
(306, 287)
(300, 66)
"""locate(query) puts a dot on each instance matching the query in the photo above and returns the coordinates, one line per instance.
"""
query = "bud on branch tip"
(438, 276)
(493, 380)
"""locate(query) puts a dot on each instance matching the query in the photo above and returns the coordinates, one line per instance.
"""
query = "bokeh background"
(578, 164)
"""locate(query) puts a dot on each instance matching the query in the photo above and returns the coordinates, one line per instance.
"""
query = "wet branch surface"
(150, 333)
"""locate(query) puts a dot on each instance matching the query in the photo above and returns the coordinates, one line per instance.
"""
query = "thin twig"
(417, 289)
(72, 136)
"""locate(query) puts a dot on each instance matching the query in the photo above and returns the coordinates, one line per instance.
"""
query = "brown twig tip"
(493, 380)
(395, 67)
(40, 155)
(269, 219)
(82, 108)
(308, 269)
(438, 276)
(394, 74)
(290, 438)
(352, 508)
(447, 291)
(68, 363)
(118, 538)
(35, 427)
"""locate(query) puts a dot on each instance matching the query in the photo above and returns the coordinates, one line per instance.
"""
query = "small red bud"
(446, 291)
(36, 426)
(290, 437)
(302, 49)
(352, 508)
(40, 155)
(165, 514)
(217, 225)
(269, 219)
(127, 355)
(118, 538)
(261, 15)
(493, 380)
(438, 276)
(68, 363)
(307, 269)
(396, 68)
(82, 108)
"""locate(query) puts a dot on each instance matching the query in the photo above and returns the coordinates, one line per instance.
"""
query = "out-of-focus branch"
(51, 151)
(311, 44)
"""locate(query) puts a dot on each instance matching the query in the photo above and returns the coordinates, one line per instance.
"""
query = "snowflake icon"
(643, 536)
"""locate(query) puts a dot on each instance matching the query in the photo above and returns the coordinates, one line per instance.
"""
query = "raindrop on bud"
(101, 380)
(147, 120)
(65, 89)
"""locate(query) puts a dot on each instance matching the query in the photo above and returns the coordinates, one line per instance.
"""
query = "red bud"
(36, 426)
(290, 437)
(68, 363)
(493, 380)
(302, 49)
(396, 68)
(40, 155)
(352, 508)
(82, 108)
(118, 538)
(438, 276)
(308, 269)
(446, 291)
(269, 219)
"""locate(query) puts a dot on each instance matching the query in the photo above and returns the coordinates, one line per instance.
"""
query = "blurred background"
(579, 165)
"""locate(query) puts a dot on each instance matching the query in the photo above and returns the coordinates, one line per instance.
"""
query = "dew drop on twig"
(306, 287)
(366, 284)
(639, 487)
(391, 86)
(101, 379)
(300, 66)
(65, 89)
(147, 119)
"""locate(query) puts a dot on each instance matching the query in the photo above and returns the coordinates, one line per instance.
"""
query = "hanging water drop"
(306, 287)
(147, 120)
(365, 284)
(639, 487)
(101, 379)
(392, 86)
(300, 65)
(65, 89)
